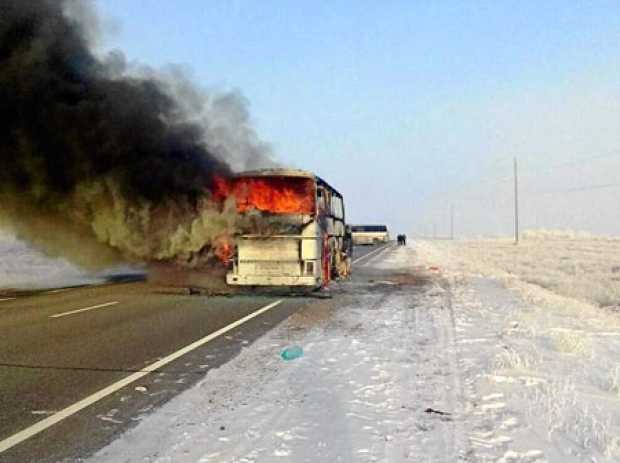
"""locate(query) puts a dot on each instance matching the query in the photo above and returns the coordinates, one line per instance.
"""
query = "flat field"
(578, 266)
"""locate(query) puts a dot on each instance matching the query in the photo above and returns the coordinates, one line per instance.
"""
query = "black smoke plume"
(102, 165)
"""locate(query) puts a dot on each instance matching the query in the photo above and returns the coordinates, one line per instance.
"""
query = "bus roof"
(276, 172)
(282, 172)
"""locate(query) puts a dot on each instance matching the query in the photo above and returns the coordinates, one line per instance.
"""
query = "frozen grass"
(570, 342)
(614, 380)
(512, 359)
(567, 415)
(569, 264)
(544, 234)
(559, 349)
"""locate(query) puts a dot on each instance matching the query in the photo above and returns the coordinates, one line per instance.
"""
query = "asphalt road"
(59, 347)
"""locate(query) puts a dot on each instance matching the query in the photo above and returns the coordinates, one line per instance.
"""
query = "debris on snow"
(292, 353)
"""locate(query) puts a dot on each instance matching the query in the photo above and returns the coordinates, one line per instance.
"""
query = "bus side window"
(337, 207)
(328, 202)
(320, 200)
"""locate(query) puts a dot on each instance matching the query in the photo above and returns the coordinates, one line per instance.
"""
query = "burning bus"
(296, 231)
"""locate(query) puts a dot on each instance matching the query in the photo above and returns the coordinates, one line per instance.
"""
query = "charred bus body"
(298, 232)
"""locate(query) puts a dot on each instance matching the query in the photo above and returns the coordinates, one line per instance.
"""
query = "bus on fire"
(299, 236)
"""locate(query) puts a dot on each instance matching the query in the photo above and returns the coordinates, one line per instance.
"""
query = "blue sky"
(399, 103)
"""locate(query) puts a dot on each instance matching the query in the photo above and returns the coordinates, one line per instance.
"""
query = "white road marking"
(112, 388)
(59, 290)
(7, 299)
(92, 307)
(370, 254)
(377, 256)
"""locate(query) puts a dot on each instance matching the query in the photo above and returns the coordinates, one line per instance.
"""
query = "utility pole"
(516, 202)
(452, 221)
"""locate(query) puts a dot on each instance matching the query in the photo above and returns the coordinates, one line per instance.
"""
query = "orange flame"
(223, 248)
(278, 195)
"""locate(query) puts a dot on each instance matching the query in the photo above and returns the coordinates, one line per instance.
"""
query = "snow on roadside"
(457, 369)
(370, 370)
(557, 367)
(22, 267)
(575, 266)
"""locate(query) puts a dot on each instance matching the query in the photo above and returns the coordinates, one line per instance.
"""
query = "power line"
(452, 221)
(516, 203)
(576, 162)
(544, 192)
(531, 195)
(529, 170)
(612, 154)
(582, 188)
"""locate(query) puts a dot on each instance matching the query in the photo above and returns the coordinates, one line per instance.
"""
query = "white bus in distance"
(369, 234)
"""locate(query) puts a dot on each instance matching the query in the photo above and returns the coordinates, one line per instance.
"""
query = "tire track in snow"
(445, 401)
(457, 395)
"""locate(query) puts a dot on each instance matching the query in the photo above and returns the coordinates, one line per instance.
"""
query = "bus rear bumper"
(272, 280)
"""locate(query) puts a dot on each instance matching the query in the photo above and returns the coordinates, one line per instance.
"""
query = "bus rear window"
(369, 228)
(277, 195)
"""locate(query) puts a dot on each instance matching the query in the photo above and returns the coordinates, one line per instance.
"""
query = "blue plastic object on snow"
(292, 353)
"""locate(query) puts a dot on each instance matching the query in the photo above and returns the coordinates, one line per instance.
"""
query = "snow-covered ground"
(558, 360)
(576, 265)
(22, 267)
(418, 359)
